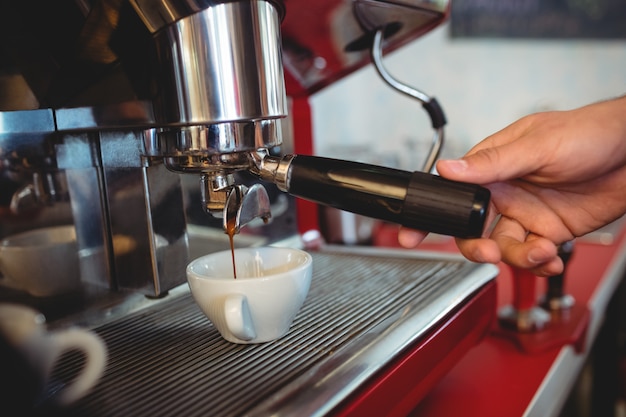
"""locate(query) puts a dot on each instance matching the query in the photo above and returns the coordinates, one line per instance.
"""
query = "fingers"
(509, 242)
(520, 249)
(481, 250)
(535, 209)
(409, 238)
(521, 255)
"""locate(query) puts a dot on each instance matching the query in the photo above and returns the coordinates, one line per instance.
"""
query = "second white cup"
(262, 302)
(23, 331)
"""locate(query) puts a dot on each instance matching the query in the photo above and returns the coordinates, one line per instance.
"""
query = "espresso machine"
(124, 118)
(147, 90)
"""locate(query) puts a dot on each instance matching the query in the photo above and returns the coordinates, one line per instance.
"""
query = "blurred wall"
(482, 85)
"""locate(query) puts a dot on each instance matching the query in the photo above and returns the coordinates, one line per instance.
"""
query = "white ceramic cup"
(24, 330)
(43, 262)
(262, 302)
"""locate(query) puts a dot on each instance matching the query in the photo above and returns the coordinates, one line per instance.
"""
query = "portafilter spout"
(244, 205)
(415, 200)
(236, 204)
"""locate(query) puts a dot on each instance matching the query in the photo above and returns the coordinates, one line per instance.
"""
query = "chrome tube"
(222, 64)
(429, 103)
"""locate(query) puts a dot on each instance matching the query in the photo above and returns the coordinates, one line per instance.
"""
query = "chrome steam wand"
(430, 104)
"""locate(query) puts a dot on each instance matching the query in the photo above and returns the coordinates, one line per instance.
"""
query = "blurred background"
(490, 64)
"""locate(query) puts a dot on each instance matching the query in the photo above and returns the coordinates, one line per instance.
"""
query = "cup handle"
(5, 279)
(238, 317)
(95, 361)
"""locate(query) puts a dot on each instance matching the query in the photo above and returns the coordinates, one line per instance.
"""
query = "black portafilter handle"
(415, 200)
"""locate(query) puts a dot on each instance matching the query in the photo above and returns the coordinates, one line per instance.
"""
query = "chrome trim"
(222, 64)
(272, 169)
(218, 138)
(26, 121)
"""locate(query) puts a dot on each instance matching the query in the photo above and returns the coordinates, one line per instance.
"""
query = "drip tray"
(366, 305)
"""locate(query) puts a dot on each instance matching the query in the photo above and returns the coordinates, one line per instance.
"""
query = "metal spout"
(45, 189)
(215, 188)
(244, 205)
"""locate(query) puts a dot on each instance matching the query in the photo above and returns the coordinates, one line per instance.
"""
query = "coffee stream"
(230, 230)
(231, 227)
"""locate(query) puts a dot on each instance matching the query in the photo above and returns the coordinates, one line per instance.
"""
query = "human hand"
(553, 176)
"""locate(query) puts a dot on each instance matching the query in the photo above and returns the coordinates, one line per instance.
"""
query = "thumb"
(486, 166)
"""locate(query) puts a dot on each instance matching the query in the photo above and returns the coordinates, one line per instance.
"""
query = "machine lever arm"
(415, 200)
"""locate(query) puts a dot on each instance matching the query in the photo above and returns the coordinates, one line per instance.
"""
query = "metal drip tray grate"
(168, 359)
